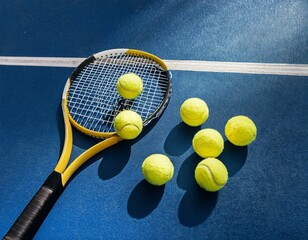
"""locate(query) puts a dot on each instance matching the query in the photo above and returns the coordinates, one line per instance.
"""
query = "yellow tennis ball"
(194, 112)
(211, 174)
(157, 169)
(240, 130)
(129, 85)
(208, 143)
(128, 124)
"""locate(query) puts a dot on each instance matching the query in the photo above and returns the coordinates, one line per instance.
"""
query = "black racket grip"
(34, 214)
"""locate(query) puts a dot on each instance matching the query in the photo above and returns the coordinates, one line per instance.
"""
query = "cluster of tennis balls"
(157, 169)
(210, 174)
(128, 124)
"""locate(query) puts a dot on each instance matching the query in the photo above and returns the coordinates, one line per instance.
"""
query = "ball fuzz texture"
(194, 112)
(208, 143)
(240, 130)
(211, 174)
(129, 85)
(128, 124)
(157, 169)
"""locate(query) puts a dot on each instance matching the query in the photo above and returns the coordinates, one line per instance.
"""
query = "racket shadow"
(61, 129)
(84, 142)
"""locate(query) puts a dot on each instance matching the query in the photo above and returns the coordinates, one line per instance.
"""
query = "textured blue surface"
(266, 195)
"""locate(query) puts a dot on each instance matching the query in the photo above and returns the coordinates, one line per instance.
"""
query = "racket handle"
(34, 214)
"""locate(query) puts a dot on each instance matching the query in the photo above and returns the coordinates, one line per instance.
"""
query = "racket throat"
(54, 182)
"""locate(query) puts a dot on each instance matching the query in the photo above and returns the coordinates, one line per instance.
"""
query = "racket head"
(90, 97)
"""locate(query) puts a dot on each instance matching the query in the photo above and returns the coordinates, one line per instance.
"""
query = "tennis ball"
(240, 130)
(211, 174)
(208, 143)
(128, 124)
(129, 85)
(194, 112)
(157, 169)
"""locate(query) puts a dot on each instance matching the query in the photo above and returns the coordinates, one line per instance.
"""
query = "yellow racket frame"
(110, 138)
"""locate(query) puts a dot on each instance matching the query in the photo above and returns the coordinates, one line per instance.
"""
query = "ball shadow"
(114, 160)
(144, 199)
(179, 139)
(197, 204)
(186, 174)
(233, 157)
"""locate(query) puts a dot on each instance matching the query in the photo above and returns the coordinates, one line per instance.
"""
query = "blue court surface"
(266, 196)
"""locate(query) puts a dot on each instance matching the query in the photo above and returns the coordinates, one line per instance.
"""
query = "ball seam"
(200, 116)
(129, 90)
(130, 124)
(212, 175)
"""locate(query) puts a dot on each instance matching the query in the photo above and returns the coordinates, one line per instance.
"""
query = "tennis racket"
(90, 102)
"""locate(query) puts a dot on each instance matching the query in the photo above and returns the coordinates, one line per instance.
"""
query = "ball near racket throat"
(128, 124)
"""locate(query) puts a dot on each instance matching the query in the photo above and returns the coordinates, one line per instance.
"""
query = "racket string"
(94, 87)
(100, 102)
(114, 71)
(83, 99)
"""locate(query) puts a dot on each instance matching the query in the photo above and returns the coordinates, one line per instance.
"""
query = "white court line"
(180, 65)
